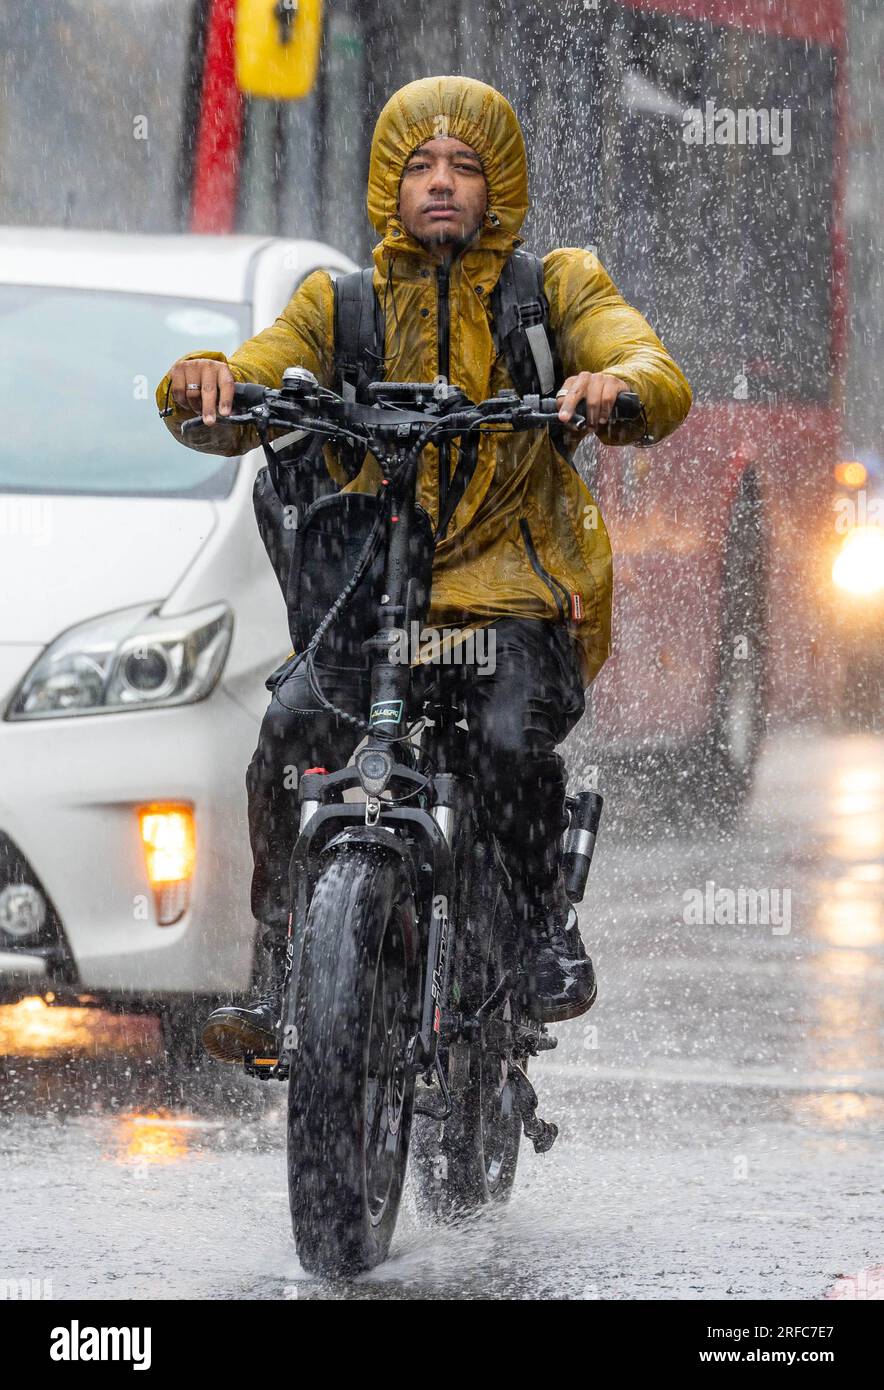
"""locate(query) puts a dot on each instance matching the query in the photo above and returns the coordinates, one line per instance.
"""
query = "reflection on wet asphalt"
(721, 1108)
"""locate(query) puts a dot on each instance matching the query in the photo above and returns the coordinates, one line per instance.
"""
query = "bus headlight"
(859, 565)
(131, 659)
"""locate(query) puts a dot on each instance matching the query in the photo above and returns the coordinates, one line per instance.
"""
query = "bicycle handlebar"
(399, 410)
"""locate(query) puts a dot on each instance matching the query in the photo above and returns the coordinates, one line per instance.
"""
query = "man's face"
(443, 194)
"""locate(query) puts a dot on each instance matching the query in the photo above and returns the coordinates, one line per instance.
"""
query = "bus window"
(785, 233)
(727, 247)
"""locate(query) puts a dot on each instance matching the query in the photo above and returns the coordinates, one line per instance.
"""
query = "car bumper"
(68, 804)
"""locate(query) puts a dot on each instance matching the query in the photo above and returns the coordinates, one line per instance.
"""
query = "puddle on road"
(158, 1137)
(68, 1062)
(34, 1028)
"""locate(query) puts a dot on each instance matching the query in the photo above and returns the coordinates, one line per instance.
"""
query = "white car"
(139, 616)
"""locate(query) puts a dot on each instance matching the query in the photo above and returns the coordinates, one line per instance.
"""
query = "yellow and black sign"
(277, 47)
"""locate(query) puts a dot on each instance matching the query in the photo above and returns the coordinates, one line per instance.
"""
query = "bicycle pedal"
(545, 1137)
(266, 1068)
(542, 1134)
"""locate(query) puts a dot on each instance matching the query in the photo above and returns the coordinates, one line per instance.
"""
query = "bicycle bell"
(298, 381)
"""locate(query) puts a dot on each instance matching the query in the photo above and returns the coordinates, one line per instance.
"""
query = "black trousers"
(517, 712)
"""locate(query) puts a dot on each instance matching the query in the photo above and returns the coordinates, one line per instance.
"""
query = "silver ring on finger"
(194, 386)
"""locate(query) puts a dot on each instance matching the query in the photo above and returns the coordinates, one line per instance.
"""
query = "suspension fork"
(447, 812)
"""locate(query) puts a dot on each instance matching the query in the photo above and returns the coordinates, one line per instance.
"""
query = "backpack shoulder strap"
(359, 348)
(359, 333)
(522, 333)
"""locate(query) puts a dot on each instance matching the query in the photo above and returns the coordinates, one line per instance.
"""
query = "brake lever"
(198, 421)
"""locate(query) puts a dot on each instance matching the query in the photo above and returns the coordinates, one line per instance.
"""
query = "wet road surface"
(721, 1108)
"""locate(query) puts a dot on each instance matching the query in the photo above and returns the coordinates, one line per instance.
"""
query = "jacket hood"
(463, 109)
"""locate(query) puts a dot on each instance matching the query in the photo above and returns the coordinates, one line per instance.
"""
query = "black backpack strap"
(359, 333)
(359, 348)
(521, 328)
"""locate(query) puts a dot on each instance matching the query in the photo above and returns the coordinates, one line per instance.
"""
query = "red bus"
(735, 251)
(699, 145)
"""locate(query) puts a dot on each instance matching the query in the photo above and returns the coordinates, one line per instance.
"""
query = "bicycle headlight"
(131, 659)
(374, 766)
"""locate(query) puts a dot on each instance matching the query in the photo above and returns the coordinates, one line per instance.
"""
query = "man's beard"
(455, 244)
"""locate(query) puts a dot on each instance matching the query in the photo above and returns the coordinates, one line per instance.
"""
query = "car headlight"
(132, 659)
(859, 564)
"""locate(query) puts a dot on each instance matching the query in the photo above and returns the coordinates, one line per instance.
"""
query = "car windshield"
(80, 368)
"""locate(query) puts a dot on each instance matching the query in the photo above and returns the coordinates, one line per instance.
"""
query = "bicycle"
(403, 995)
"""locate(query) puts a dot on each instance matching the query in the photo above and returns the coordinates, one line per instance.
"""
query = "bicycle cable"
(362, 566)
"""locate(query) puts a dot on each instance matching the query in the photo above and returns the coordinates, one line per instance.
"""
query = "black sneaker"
(559, 975)
(236, 1029)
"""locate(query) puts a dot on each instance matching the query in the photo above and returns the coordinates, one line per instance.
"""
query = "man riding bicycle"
(525, 552)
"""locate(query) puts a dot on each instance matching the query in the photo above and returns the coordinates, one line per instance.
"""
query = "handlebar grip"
(245, 395)
(626, 407)
(248, 393)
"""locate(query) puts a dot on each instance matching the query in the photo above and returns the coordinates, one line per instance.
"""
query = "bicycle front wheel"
(350, 1093)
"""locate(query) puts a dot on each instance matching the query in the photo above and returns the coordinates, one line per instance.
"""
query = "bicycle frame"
(424, 834)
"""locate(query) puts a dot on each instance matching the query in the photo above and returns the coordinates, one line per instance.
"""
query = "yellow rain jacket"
(482, 568)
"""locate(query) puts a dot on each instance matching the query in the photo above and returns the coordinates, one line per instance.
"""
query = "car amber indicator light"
(168, 835)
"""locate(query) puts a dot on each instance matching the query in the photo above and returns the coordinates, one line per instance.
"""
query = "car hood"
(66, 559)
